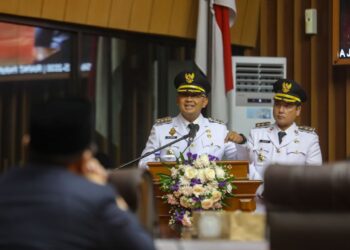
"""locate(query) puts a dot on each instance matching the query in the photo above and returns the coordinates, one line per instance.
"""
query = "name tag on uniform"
(170, 137)
(265, 141)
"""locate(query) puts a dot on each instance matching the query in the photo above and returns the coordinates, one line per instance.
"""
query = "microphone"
(193, 131)
(191, 135)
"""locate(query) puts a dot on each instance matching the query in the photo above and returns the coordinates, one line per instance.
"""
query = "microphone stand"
(153, 151)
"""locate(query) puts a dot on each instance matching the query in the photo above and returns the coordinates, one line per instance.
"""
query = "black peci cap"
(192, 81)
(289, 91)
(61, 127)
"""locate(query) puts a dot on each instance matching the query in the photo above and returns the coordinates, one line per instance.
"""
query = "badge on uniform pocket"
(261, 157)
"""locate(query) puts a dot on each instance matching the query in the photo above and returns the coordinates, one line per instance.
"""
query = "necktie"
(280, 136)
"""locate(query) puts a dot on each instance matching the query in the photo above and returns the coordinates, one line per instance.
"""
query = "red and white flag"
(223, 13)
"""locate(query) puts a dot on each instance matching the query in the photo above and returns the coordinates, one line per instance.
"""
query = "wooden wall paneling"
(238, 26)
(251, 23)
(347, 115)
(160, 17)
(331, 122)
(192, 20)
(180, 17)
(77, 11)
(281, 31)
(31, 8)
(9, 6)
(53, 9)
(268, 41)
(319, 73)
(99, 12)
(338, 145)
(120, 14)
(297, 51)
(141, 15)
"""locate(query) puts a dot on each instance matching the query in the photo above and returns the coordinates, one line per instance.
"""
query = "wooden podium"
(243, 196)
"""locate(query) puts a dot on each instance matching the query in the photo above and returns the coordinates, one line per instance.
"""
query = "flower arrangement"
(198, 183)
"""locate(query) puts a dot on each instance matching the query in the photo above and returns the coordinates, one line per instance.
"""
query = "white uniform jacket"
(300, 146)
(209, 140)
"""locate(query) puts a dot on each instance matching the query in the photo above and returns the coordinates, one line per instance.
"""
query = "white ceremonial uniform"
(300, 146)
(209, 140)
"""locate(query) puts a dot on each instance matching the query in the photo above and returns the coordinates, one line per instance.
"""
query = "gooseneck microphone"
(191, 135)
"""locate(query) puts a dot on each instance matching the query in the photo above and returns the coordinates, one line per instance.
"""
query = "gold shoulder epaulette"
(164, 120)
(307, 129)
(262, 124)
(215, 120)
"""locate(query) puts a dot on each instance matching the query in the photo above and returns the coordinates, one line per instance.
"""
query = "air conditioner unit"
(253, 92)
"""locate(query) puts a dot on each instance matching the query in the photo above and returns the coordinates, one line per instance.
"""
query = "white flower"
(186, 190)
(201, 175)
(184, 181)
(174, 172)
(229, 188)
(207, 203)
(198, 190)
(184, 202)
(220, 173)
(216, 195)
(205, 160)
(190, 173)
(213, 185)
(209, 174)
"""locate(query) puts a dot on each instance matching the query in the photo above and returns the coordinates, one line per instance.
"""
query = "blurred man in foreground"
(60, 200)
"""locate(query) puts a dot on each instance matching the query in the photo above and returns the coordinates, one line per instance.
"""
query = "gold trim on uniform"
(170, 152)
(306, 129)
(163, 120)
(286, 98)
(208, 131)
(190, 88)
(262, 124)
(261, 157)
(172, 131)
(212, 120)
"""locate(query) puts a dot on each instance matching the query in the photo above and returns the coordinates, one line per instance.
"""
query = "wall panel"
(99, 12)
(140, 15)
(120, 14)
(180, 17)
(77, 11)
(53, 9)
(9, 6)
(161, 11)
(30, 8)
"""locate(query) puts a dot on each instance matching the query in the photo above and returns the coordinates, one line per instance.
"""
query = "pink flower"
(172, 200)
(186, 221)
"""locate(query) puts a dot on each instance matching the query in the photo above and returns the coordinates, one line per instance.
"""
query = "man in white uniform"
(282, 142)
(193, 89)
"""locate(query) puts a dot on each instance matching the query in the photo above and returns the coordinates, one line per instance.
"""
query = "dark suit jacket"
(45, 207)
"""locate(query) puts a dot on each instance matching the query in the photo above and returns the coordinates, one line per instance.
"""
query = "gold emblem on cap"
(286, 87)
(189, 77)
(172, 131)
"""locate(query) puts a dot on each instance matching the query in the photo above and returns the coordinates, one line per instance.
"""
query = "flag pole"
(210, 45)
